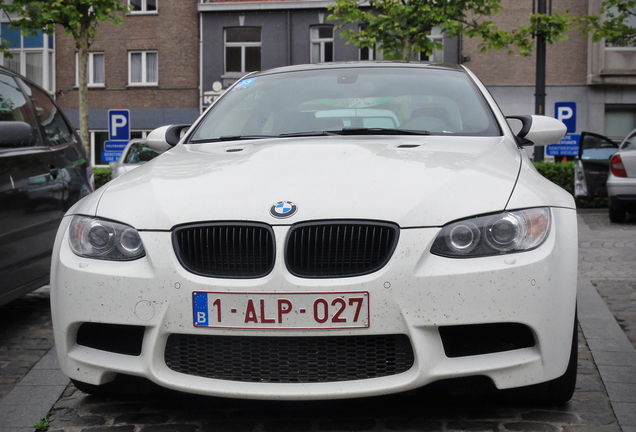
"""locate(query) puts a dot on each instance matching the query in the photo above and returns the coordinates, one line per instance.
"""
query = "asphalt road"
(604, 401)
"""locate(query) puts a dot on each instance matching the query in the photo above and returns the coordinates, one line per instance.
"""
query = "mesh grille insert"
(339, 248)
(289, 359)
(234, 250)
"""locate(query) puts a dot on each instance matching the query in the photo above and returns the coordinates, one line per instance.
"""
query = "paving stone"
(531, 427)
(551, 416)
(346, 425)
(479, 426)
(619, 392)
(626, 412)
(287, 426)
(229, 426)
(65, 419)
(169, 428)
(413, 425)
(141, 418)
(116, 408)
(130, 428)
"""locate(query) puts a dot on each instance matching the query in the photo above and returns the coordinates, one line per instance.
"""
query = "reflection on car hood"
(413, 181)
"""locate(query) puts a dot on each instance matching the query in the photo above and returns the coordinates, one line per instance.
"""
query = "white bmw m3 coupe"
(327, 231)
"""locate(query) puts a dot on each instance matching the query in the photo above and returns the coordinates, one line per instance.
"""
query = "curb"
(33, 397)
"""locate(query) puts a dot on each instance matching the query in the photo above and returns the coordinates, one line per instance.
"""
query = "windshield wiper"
(306, 134)
(378, 131)
(242, 137)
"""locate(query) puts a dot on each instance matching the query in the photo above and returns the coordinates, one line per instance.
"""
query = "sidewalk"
(607, 264)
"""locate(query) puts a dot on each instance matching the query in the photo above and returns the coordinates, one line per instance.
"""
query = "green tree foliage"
(401, 27)
(78, 18)
(615, 23)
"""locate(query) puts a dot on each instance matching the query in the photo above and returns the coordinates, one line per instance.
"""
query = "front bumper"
(415, 294)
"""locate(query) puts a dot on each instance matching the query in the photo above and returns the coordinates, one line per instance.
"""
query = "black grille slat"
(289, 359)
(339, 248)
(240, 250)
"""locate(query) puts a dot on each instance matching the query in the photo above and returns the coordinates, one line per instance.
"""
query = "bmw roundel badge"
(283, 209)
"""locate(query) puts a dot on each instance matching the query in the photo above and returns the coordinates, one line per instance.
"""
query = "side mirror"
(166, 137)
(539, 130)
(15, 134)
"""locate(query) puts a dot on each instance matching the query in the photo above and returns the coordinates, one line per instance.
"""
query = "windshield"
(352, 100)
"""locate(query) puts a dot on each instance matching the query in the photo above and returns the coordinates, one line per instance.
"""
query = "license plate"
(281, 311)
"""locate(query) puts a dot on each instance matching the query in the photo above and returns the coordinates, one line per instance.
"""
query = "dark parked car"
(43, 171)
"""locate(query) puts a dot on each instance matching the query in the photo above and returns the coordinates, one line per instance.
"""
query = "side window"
(597, 147)
(13, 104)
(56, 130)
(630, 142)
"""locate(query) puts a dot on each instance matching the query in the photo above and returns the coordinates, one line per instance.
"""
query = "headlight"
(502, 233)
(103, 239)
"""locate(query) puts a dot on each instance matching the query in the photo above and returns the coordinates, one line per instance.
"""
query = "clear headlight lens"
(103, 239)
(502, 233)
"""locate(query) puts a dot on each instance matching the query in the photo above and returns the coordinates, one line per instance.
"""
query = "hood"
(412, 181)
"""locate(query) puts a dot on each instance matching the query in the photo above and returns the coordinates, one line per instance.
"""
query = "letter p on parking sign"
(566, 112)
(119, 125)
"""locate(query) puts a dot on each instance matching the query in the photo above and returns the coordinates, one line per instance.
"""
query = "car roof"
(360, 64)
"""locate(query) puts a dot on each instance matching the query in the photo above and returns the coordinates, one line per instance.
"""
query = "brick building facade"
(149, 65)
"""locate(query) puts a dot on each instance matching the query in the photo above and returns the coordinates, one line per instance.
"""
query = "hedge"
(102, 176)
(561, 173)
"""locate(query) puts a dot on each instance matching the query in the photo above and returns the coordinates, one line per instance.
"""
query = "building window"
(619, 121)
(142, 6)
(32, 55)
(143, 68)
(242, 49)
(373, 53)
(321, 44)
(94, 69)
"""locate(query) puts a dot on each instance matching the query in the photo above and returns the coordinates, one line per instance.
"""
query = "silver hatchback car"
(621, 183)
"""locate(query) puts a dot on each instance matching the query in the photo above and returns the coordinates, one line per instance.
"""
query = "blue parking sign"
(566, 112)
(119, 125)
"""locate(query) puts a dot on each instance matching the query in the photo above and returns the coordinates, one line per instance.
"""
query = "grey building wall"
(274, 40)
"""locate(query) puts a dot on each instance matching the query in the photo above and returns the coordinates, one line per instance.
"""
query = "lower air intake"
(289, 359)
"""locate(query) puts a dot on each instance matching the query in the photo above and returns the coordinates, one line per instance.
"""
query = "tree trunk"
(82, 47)
(406, 48)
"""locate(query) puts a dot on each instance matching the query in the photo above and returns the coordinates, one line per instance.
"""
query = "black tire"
(560, 390)
(617, 214)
